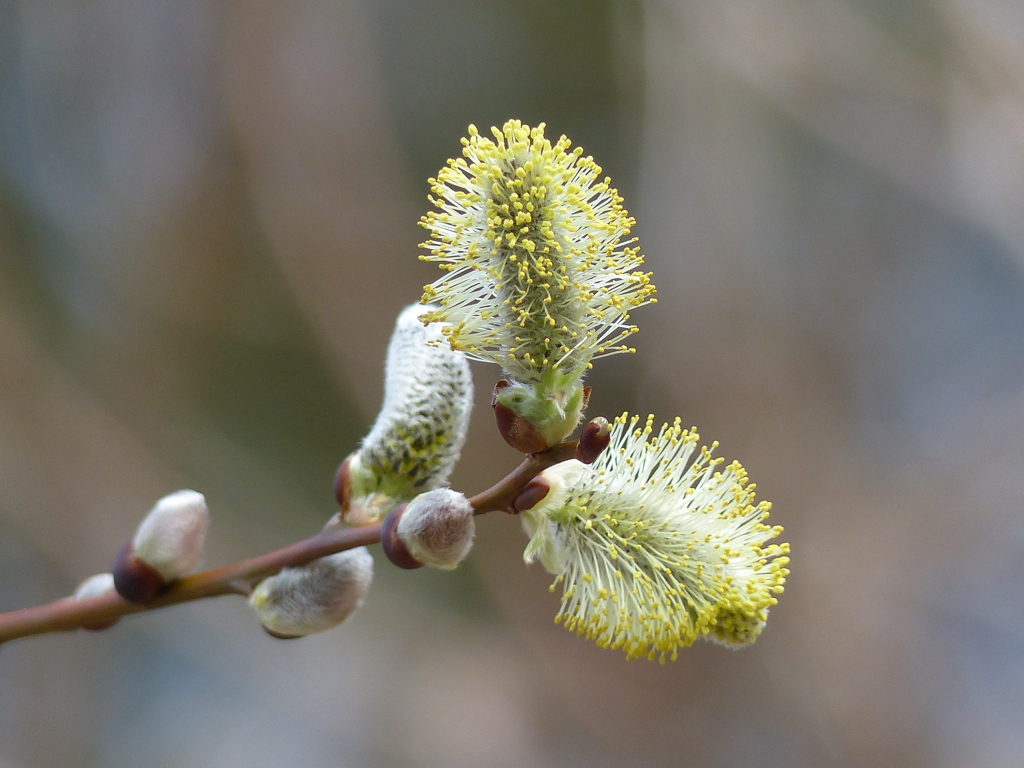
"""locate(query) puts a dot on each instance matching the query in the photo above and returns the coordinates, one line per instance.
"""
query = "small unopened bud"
(437, 528)
(531, 495)
(94, 586)
(171, 537)
(167, 544)
(516, 430)
(313, 597)
(593, 440)
(532, 417)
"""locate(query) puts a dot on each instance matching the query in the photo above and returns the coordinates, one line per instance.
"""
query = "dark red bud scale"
(393, 546)
(342, 484)
(516, 431)
(534, 491)
(136, 580)
(593, 440)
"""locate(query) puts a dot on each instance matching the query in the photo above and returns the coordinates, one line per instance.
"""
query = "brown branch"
(69, 614)
(501, 495)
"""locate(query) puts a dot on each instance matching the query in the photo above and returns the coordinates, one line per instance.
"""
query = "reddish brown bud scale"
(534, 491)
(393, 546)
(342, 484)
(516, 431)
(594, 439)
(134, 579)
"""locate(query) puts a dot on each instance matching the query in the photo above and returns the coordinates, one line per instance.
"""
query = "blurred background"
(208, 224)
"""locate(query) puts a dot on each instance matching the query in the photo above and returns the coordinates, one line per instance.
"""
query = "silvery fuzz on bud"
(437, 528)
(419, 433)
(167, 544)
(313, 597)
(94, 586)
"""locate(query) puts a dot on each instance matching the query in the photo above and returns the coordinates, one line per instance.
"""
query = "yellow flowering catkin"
(655, 547)
(542, 273)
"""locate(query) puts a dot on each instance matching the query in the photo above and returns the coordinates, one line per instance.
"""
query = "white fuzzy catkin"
(437, 528)
(170, 539)
(428, 394)
(316, 596)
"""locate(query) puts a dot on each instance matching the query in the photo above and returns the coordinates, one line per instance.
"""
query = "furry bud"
(419, 433)
(94, 586)
(167, 544)
(171, 537)
(313, 597)
(437, 528)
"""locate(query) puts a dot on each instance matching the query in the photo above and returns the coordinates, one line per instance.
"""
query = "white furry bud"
(170, 539)
(94, 586)
(437, 528)
(419, 433)
(314, 597)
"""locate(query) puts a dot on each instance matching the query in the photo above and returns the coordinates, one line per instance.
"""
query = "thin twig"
(501, 495)
(68, 614)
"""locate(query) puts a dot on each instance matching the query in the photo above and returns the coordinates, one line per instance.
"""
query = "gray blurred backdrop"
(208, 223)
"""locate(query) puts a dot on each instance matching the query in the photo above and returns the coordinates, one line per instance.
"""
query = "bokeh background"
(208, 223)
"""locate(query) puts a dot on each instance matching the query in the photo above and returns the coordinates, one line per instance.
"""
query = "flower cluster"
(654, 546)
(167, 544)
(657, 543)
(542, 274)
